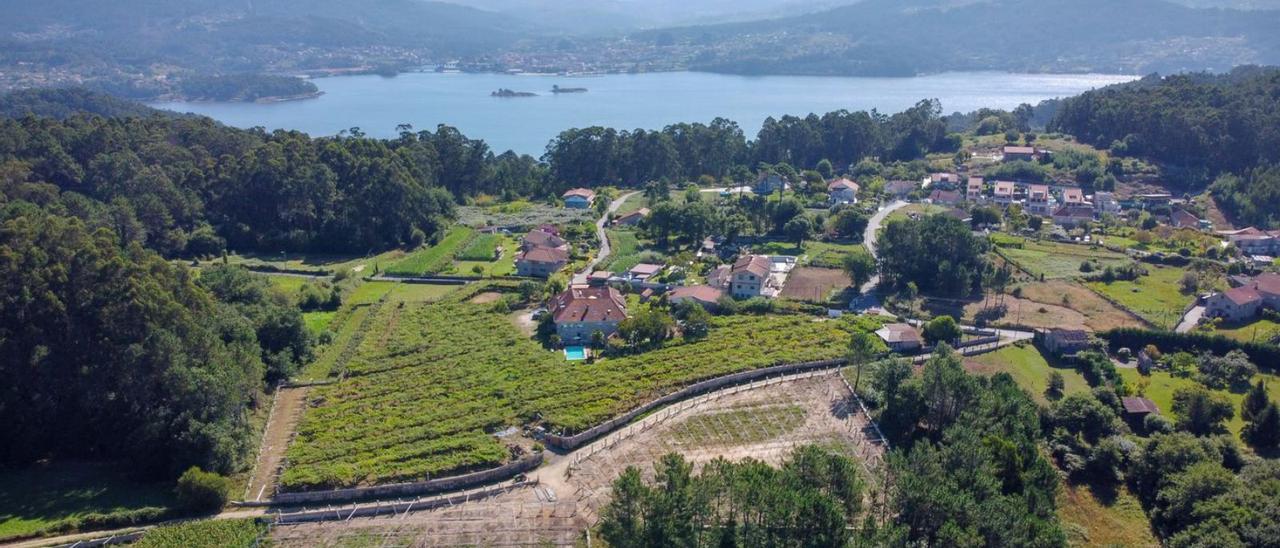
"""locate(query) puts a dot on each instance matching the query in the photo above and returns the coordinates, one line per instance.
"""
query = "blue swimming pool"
(575, 353)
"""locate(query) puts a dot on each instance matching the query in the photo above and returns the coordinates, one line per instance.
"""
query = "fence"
(399, 507)
(573, 441)
(128, 538)
(416, 488)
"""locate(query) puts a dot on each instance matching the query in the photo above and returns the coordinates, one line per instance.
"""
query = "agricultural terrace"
(628, 251)
(216, 533)
(434, 259)
(1054, 260)
(430, 383)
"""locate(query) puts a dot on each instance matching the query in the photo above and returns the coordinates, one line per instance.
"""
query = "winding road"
(581, 277)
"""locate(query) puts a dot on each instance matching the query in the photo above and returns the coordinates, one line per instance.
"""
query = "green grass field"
(289, 285)
(429, 381)
(1157, 297)
(1260, 331)
(628, 250)
(1055, 260)
(481, 248)
(437, 258)
(52, 498)
(318, 322)
(1028, 368)
(1112, 520)
(1160, 386)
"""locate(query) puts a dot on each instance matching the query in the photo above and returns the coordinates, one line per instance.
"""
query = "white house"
(843, 191)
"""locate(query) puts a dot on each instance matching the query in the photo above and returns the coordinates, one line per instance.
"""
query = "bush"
(200, 491)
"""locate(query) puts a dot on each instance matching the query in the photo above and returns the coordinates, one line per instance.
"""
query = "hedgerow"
(421, 398)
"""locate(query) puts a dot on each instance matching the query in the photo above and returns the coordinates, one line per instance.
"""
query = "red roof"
(1242, 295)
(1268, 284)
(543, 255)
(842, 184)
(589, 304)
(755, 264)
(538, 238)
(583, 192)
(645, 269)
(701, 293)
(944, 196)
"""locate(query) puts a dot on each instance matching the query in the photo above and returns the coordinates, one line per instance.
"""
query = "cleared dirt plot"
(486, 298)
(569, 496)
(1099, 315)
(814, 284)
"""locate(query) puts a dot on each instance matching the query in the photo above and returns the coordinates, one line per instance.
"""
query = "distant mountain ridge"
(892, 37)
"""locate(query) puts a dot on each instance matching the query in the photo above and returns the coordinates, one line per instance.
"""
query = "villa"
(541, 262)
(750, 276)
(581, 311)
(1246, 301)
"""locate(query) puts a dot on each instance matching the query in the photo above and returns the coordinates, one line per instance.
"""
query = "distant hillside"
(904, 37)
(65, 102)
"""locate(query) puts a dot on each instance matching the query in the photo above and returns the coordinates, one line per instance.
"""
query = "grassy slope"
(435, 258)
(1157, 297)
(1260, 331)
(1029, 369)
(38, 497)
(1113, 520)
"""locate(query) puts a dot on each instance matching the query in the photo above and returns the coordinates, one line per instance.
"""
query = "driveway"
(1190, 319)
(580, 278)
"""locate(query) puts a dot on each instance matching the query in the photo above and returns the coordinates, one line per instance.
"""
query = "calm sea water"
(378, 104)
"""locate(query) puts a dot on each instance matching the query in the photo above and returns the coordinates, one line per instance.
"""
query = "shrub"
(200, 491)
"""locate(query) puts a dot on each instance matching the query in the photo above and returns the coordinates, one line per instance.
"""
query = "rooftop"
(538, 254)
(701, 293)
(581, 192)
(589, 304)
(899, 333)
(759, 265)
(1137, 405)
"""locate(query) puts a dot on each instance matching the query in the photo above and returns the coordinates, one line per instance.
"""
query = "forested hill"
(894, 37)
(1201, 128)
(62, 103)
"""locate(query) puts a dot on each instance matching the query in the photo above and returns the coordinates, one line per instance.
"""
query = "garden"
(429, 384)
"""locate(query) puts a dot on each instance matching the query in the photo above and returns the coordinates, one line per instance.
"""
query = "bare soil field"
(486, 297)
(289, 403)
(766, 424)
(1099, 314)
(814, 284)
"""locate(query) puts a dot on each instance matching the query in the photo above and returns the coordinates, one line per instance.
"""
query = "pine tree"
(1264, 431)
(1254, 402)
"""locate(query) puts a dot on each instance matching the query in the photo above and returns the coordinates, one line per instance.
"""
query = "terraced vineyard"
(431, 381)
(228, 533)
(436, 258)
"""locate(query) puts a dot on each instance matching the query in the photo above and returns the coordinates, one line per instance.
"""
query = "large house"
(1106, 202)
(945, 197)
(1245, 302)
(1073, 214)
(944, 180)
(900, 337)
(973, 192)
(1004, 192)
(1073, 195)
(541, 262)
(843, 191)
(581, 311)
(644, 271)
(1040, 201)
(750, 276)
(1253, 241)
(541, 254)
(579, 198)
(1014, 153)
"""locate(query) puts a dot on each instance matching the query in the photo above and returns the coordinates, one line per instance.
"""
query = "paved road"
(869, 238)
(605, 250)
(1190, 319)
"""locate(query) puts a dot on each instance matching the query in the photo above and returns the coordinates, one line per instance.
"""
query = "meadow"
(430, 383)
(1157, 297)
(1159, 387)
(1029, 369)
(1055, 260)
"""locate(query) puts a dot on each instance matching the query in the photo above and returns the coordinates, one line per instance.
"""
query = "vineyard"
(218, 533)
(482, 248)
(429, 383)
(436, 258)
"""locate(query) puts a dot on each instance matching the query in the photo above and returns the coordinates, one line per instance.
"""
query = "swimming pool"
(575, 353)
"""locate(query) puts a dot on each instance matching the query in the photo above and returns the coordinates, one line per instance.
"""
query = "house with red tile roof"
(539, 238)
(579, 198)
(1234, 305)
(842, 191)
(581, 311)
(750, 276)
(1014, 153)
(900, 337)
(705, 295)
(1073, 214)
(1040, 201)
(541, 262)
(633, 218)
(1004, 192)
(1180, 218)
(945, 197)
(974, 191)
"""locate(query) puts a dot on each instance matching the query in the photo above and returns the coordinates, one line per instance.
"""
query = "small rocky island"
(504, 92)
(558, 89)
